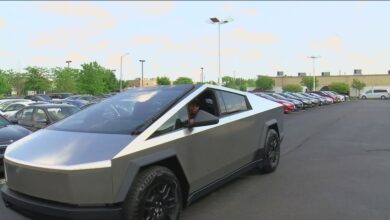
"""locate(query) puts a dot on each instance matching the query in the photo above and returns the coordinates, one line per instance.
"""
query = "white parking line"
(2, 181)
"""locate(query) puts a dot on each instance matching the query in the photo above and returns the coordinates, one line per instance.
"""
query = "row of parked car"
(20, 116)
(295, 101)
(38, 111)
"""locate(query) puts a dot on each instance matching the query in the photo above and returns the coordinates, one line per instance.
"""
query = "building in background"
(377, 81)
(137, 82)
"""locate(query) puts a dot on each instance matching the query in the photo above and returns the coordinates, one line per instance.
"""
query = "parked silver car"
(143, 154)
(376, 94)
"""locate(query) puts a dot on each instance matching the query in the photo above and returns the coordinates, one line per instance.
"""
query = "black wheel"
(154, 195)
(383, 97)
(363, 97)
(271, 152)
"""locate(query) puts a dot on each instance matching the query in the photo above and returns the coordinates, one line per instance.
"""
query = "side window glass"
(176, 122)
(221, 103)
(369, 91)
(26, 114)
(234, 102)
(39, 115)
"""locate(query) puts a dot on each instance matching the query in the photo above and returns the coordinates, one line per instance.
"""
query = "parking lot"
(335, 165)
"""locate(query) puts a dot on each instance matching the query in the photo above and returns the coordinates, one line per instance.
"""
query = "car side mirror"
(203, 118)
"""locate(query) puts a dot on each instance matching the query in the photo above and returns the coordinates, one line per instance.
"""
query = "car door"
(40, 119)
(217, 152)
(368, 94)
(24, 118)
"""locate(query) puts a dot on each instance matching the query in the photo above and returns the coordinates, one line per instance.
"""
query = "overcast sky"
(176, 39)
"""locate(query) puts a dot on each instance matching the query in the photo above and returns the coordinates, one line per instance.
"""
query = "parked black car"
(61, 95)
(306, 102)
(9, 133)
(39, 97)
(298, 104)
(40, 116)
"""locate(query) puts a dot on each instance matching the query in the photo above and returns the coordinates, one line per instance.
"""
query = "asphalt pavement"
(335, 164)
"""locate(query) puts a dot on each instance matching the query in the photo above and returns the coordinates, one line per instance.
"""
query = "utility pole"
(314, 70)
(120, 80)
(142, 72)
(201, 75)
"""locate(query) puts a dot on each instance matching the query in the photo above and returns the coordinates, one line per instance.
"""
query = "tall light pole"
(314, 70)
(215, 20)
(120, 77)
(68, 62)
(142, 72)
(201, 75)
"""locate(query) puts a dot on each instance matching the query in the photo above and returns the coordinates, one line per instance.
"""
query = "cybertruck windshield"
(125, 113)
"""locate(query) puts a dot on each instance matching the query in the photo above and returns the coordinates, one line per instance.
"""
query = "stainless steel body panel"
(91, 169)
(84, 187)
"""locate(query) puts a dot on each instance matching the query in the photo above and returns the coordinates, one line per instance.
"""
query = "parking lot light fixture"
(215, 20)
(120, 80)
(68, 62)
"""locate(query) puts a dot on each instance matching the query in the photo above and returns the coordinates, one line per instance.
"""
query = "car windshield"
(59, 113)
(44, 97)
(4, 105)
(125, 112)
(3, 122)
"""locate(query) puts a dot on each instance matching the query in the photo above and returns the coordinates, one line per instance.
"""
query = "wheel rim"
(273, 151)
(161, 202)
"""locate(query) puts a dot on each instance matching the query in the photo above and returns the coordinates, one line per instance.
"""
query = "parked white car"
(376, 94)
(12, 108)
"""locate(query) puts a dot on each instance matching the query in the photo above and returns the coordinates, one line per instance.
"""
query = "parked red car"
(287, 106)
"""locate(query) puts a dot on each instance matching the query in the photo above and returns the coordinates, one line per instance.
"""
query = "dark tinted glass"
(234, 102)
(379, 90)
(59, 113)
(122, 113)
(3, 122)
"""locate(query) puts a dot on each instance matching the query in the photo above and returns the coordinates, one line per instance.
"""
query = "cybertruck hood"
(59, 149)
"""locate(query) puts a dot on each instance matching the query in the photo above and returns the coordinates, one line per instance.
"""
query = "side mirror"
(203, 118)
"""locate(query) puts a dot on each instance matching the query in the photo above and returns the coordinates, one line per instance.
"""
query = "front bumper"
(42, 208)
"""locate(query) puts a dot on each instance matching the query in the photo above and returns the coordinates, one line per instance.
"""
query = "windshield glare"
(122, 113)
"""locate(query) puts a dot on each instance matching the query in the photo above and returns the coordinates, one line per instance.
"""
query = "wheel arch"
(166, 158)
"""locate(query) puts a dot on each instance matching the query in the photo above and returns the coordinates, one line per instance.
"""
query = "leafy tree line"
(92, 78)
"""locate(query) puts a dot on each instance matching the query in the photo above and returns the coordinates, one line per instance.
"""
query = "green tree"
(292, 88)
(37, 79)
(110, 82)
(17, 81)
(5, 86)
(65, 79)
(91, 79)
(229, 82)
(183, 80)
(265, 83)
(358, 85)
(339, 87)
(163, 80)
(251, 82)
(308, 82)
(211, 82)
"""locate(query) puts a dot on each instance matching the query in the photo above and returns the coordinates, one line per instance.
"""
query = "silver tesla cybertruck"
(143, 154)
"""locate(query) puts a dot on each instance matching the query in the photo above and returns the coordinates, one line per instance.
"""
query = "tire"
(364, 97)
(383, 97)
(155, 194)
(271, 154)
